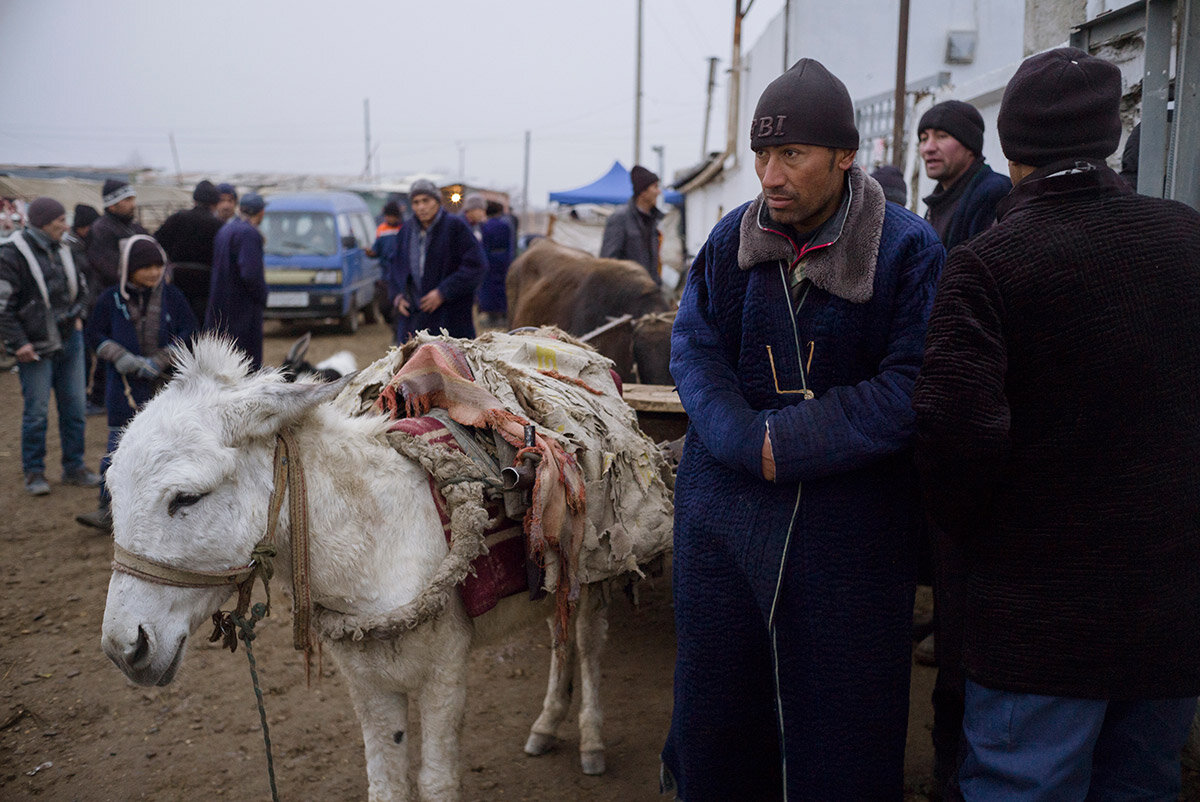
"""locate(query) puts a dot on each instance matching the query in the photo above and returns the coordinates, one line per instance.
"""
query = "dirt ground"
(73, 728)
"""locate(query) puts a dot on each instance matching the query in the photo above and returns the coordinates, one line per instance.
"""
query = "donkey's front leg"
(383, 715)
(591, 632)
(442, 704)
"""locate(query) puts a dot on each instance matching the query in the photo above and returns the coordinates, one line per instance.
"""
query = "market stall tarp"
(613, 187)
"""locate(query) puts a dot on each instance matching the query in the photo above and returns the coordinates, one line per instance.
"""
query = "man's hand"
(402, 305)
(768, 458)
(431, 301)
(26, 353)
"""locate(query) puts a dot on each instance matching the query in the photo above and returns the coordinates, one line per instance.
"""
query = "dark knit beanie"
(116, 191)
(44, 211)
(1061, 104)
(423, 186)
(252, 203)
(391, 208)
(892, 181)
(958, 119)
(144, 252)
(84, 216)
(206, 194)
(642, 179)
(807, 105)
(227, 189)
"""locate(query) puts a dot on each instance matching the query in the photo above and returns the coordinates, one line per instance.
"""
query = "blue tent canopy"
(612, 187)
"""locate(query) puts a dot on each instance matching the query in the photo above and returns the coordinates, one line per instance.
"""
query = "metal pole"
(787, 28)
(712, 82)
(735, 80)
(367, 135)
(659, 149)
(1185, 176)
(525, 186)
(1152, 151)
(175, 158)
(901, 81)
(637, 95)
(462, 162)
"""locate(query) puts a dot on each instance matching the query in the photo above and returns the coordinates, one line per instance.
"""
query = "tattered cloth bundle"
(600, 504)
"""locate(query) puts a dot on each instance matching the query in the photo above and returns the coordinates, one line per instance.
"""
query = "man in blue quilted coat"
(795, 350)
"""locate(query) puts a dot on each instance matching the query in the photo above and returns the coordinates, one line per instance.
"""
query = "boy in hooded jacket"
(131, 329)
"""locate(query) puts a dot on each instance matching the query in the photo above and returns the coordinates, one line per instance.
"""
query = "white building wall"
(856, 40)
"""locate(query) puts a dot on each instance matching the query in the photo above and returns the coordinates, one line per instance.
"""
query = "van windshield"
(293, 233)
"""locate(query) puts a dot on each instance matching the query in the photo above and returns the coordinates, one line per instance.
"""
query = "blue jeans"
(1023, 746)
(62, 371)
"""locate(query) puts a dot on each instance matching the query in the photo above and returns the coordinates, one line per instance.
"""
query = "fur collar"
(844, 267)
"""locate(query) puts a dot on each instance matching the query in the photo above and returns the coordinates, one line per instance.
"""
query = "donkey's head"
(189, 483)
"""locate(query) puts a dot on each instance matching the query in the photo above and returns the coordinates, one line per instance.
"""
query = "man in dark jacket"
(1058, 442)
(951, 145)
(104, 256)
(439, 263)
(795, 349)
(187, 236)
(42, 299)
(964, 204)
(237, 292)
(631, 232)
(496, 236)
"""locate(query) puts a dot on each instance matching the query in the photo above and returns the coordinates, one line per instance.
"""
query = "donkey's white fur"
(375, 542)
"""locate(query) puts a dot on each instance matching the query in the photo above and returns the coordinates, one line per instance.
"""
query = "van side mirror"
(349, 242)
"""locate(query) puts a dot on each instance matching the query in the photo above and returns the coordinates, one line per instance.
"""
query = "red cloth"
(438, 375)
(500, 572)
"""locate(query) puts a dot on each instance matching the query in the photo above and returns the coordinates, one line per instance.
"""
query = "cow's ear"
(264, 409)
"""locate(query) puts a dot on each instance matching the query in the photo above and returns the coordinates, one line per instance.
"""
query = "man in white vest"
(42, 304)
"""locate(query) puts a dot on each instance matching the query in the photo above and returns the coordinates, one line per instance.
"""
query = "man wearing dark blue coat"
(237, 293)
(438, 266)
(795, 350)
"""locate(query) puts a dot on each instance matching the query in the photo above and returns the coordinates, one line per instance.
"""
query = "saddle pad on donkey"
(501, 571)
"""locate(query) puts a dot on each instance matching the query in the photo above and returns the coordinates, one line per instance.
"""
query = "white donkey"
(190, 484)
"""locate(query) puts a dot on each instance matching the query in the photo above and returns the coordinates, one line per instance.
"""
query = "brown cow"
(551, 284)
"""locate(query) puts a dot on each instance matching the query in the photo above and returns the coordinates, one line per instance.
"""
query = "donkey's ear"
(264, 409)
(295, 354)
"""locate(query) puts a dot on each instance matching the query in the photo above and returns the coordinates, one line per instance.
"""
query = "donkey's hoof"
(539, 744)
(592, 762)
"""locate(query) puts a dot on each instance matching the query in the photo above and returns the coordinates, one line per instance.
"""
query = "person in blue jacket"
(797, 343)
(131, 329)
(238, 286)
(496, 236)
(438, 266)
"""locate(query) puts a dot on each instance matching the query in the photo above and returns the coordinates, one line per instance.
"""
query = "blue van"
(315, 257)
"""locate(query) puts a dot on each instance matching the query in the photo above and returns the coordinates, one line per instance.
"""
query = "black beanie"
(206, 194)
(958, 119)
(1061, 104)
(116, 191)
(642, 179)
(892, 181)
(807, 105)
(44, 211)
(144, 252)
(84, 216)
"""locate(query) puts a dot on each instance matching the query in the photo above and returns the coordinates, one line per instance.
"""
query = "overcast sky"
(279, 86)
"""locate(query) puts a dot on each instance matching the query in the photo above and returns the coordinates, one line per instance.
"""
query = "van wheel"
(350, 322)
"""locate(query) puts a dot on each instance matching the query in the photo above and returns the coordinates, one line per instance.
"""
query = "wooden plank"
(653, 398)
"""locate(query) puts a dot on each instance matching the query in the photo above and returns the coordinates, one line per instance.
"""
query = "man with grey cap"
(42, 306)
(237, 290)
(438, 265)
(1057, 442)
(795, 349)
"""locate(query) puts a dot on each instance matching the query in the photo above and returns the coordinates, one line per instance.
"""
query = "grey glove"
(128, 364)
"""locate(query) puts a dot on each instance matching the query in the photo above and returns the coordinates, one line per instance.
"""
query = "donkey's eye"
(183, 500)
